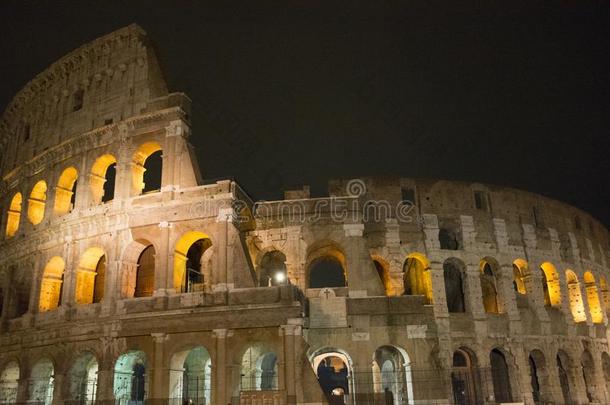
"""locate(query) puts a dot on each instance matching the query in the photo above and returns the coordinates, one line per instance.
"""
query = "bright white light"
(279, 277)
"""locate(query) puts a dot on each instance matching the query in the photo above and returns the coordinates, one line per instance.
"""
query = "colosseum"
(126, 279)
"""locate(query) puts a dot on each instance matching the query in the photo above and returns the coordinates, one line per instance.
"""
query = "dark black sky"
(516, 93)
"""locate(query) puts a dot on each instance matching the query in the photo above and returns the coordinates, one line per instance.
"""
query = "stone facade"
(389, 290)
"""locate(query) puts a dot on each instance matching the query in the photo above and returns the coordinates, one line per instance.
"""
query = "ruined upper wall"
(107, 80)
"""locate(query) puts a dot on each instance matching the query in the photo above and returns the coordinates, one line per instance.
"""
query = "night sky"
(517, 94)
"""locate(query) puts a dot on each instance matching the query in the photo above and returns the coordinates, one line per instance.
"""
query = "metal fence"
(192, 390)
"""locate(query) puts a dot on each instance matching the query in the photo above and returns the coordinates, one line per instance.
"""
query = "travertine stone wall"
(365, 226)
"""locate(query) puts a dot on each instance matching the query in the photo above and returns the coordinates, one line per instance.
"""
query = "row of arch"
(326, 268)
(191, 253)
(146, 170)
(418, 282)
(391, 375)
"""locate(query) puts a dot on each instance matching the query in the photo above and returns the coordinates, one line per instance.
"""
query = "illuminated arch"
(595, 308)
(82, 379)
(520, 273)
(259, 368)
(139, 167)
(90, 276)
(64, 192)
(102, 177)
(9, 382)
(576, 304)
(272, 269)
(130, 377)
(603, 288)
(14, 215)
(392, 377)
(190, 376)
(334, 369)
(551, 286)
(489, 287)
(181, 257)
(41, 382)
(37, 202)
(51, 286)
(417, 277)
(383, 271)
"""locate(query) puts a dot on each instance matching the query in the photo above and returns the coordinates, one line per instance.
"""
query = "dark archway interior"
(453, 287)
(153, 173)
(109, 184)
(326, 272)
(500, 376)
(100, 279)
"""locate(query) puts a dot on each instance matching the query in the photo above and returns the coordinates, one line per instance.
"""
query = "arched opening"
(489, 288)
(65, 191)
(13, 215)
(520, 272)
(417, 279)
(603, 287)
(51, 285)
(563, 364)
(464, 382)
(145, 273)
(188, 274)
(37, 202)
(448, 239)
(500, 376)
(381, 266)
(391, 376)
(595, 308)
(259, 369)
(576, 304)
(539, 377)
(40, 383)
(190, 379)
(102, 179)
(326, 272)
(130, 378)
(146, 168)
(588, 373)
(272, 270)
(551, 287)
(19, 292)
(9, 382)
(606, 369)
(82, 380)
(334, 373)
(454, 293)
(90, 276)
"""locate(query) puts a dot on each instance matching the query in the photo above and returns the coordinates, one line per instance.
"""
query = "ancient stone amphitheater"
(126, 279)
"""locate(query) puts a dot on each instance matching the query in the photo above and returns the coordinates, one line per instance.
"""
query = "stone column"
(59, 388)
(24, 382)
(105, 383)
(6, 290)
(220, 388)
(158, 381)
(362, 278)
(83, 190)
(289, 377)
(164, 262)
(472, 292)
(222, 278)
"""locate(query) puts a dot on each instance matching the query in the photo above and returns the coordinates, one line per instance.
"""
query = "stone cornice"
(80, 144)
